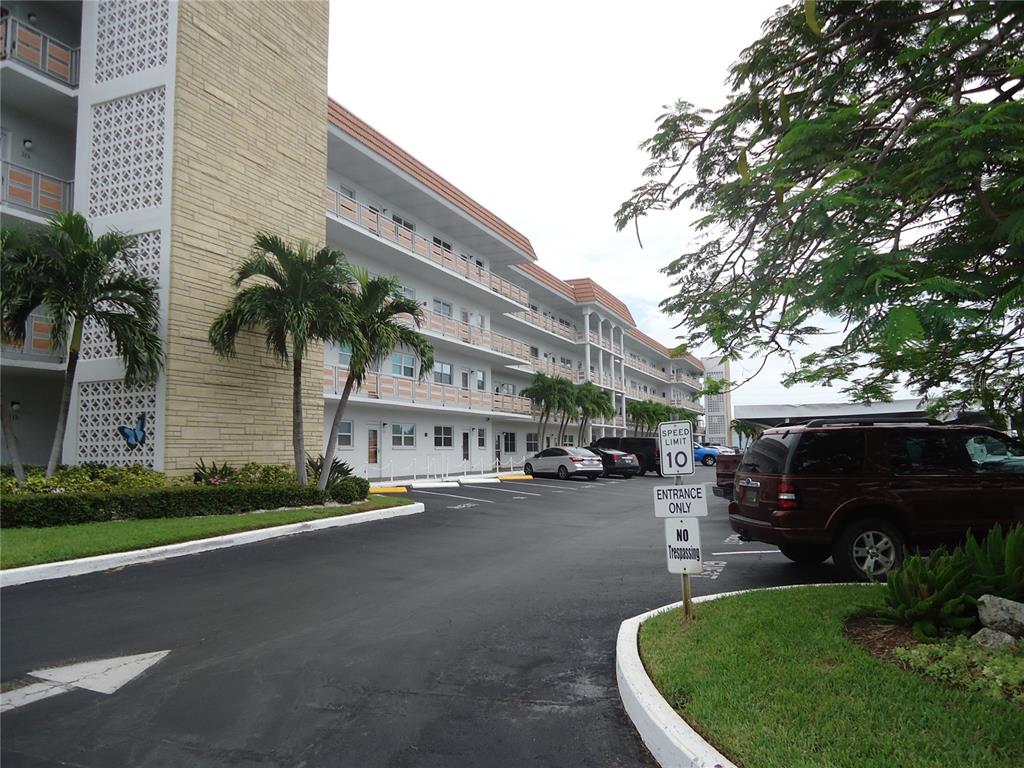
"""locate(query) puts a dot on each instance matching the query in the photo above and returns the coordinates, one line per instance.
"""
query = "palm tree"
(746, 430)
(17, 254)
(376, 329)
(565, 404)
(79, 278)
(301, 299)
(542, 391)
(594, 402)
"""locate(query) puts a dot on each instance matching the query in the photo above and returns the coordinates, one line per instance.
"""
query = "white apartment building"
(142, 135)
(718, 408)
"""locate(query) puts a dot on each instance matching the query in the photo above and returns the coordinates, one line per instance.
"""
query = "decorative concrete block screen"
(131, 36)
(127, 154)
(103, 406)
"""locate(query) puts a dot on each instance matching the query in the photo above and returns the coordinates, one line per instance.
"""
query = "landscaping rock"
(1001, 614)
(993, 639)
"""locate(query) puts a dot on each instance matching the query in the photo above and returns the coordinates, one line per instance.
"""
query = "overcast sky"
(535, 109)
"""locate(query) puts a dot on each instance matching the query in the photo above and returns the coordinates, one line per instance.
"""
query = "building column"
(586, 346)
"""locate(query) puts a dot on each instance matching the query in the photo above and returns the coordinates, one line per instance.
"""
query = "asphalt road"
(479, 633)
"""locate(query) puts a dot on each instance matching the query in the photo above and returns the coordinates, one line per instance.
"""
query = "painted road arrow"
(102, 676)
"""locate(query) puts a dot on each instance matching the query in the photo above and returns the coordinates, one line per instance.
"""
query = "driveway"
(479, 633)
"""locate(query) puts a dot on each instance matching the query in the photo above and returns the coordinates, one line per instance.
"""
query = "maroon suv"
(862, 492)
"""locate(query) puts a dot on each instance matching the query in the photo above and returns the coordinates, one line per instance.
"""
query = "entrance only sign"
(680, 501)
(675, 438)
(682, 546)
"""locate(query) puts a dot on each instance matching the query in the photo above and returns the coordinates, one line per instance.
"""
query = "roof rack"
(870, 422)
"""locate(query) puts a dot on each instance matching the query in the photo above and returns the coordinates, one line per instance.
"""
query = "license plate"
(750, 495)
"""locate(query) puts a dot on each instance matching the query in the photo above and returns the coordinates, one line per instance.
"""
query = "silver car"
(565, 462)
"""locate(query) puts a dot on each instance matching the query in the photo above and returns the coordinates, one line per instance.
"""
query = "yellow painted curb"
(515, 477)
(395, 489)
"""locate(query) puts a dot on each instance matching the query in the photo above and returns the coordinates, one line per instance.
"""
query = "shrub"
(213, 475)
(966, 664)
(998, 562)
(339, 470)
(92, 477)
(47, 509)
(348, 489)
(266, 474)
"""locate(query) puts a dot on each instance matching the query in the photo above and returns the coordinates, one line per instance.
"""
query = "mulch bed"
(878, 638)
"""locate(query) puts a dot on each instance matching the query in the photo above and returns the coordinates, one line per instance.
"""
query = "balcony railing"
(640, 365)
(608, 344)
(35, 191)
(548, 324)
(37, 347)
(684, 378)
(618, 421)
(473, 334)
(638, 394)
(21, 42)
(553, 368)
(690, 405)
(379, 386)
(348, 209)
(608, 381)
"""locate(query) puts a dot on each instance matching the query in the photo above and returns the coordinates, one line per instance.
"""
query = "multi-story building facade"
(193, 125)
(718, 408)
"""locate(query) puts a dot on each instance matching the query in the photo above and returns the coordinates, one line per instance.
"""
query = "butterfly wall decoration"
(134, 436)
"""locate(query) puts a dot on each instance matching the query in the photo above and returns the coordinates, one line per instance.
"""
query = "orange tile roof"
(341, 118)
(587, 290)
(542, 275)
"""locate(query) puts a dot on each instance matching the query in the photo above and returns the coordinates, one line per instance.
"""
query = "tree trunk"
(332, 439)
(11, 441)
(298, 437)
(65, 399)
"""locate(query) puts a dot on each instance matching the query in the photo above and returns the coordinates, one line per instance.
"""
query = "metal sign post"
(687, 592)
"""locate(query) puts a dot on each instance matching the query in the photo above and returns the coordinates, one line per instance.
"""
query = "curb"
(64, 568)
(668, 737)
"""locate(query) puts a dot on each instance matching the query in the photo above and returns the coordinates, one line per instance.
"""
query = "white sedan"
(565, 462)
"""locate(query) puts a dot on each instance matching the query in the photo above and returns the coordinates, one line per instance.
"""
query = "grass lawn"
(770, 679)
(30, 546)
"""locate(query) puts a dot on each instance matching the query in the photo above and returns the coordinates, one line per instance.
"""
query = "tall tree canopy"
(864, 180)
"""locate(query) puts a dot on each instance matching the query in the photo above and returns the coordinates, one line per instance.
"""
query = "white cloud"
(536, 109)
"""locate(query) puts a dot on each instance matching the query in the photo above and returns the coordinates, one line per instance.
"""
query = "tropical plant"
(860, 188)
(746, 430)
(542, 393)
(593, 403)
(297, 297)
(379, 323)
(998, 562)
(79, 279)
(213, 475)
(338, 470)
(565, 404)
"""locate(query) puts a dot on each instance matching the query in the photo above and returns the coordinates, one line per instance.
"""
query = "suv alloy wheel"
(868, 549)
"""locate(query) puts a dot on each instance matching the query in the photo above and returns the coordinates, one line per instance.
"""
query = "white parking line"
(503, 490)
(751, 552)
(453, 496)
(535, 484)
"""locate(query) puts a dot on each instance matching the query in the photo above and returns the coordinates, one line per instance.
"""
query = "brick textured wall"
(250, 153)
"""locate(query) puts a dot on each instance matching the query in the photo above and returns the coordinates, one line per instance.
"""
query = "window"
(509, 439)
(926, 453)
(479, 263)
(564, 323)
(346, 192)
(570, 440)
(442, 373)
(531, 442)
(834, 452)
(534, 352)
(344, 355)
(481, 380)
(409, 293)
(403, 435)
(345, 434)
(767, 454)
(444, 437)
(565, 361)
(990, 454)
(534, 308)
(403, 365)
(481, 437)
(402, 222)
(443, 308)
(505, 389)
(442, 244)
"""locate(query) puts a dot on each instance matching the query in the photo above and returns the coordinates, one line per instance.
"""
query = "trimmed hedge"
(38, 510)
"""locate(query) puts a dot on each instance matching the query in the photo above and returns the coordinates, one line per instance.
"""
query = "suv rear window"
(833, 452)
(767, 454)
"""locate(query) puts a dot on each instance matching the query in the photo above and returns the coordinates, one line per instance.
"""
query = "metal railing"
(379, 386)
(684, 378)
(553, 368)
(690, 405)
(548, 324)
(473, 334)
(35, 191)
(344, 207)
(608, 381)
(635, 362)
(38, 347)
(638, 394)
(22, 42)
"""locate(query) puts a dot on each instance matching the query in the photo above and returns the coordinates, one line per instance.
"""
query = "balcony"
(35, 192)
(451, 328)
(37, 347)
(618, 421)
(37, 50)
(638, 394)
(547, 323)
(429, 394)
(690, 405)
(635, 362)
(684, 378)
(607, 381)
(553, 368)
(347, 209)
(606, 344)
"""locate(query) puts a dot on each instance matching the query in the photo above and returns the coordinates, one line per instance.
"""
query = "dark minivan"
(644, 448)
(862, 492)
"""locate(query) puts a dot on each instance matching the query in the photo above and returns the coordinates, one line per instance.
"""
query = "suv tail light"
(787, 496)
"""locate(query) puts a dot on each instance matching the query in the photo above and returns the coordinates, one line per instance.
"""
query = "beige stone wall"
(250, 153)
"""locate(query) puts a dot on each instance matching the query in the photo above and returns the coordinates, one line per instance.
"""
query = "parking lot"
(481, 632)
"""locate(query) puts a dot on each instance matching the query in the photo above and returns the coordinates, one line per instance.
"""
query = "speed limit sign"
(675, 438)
